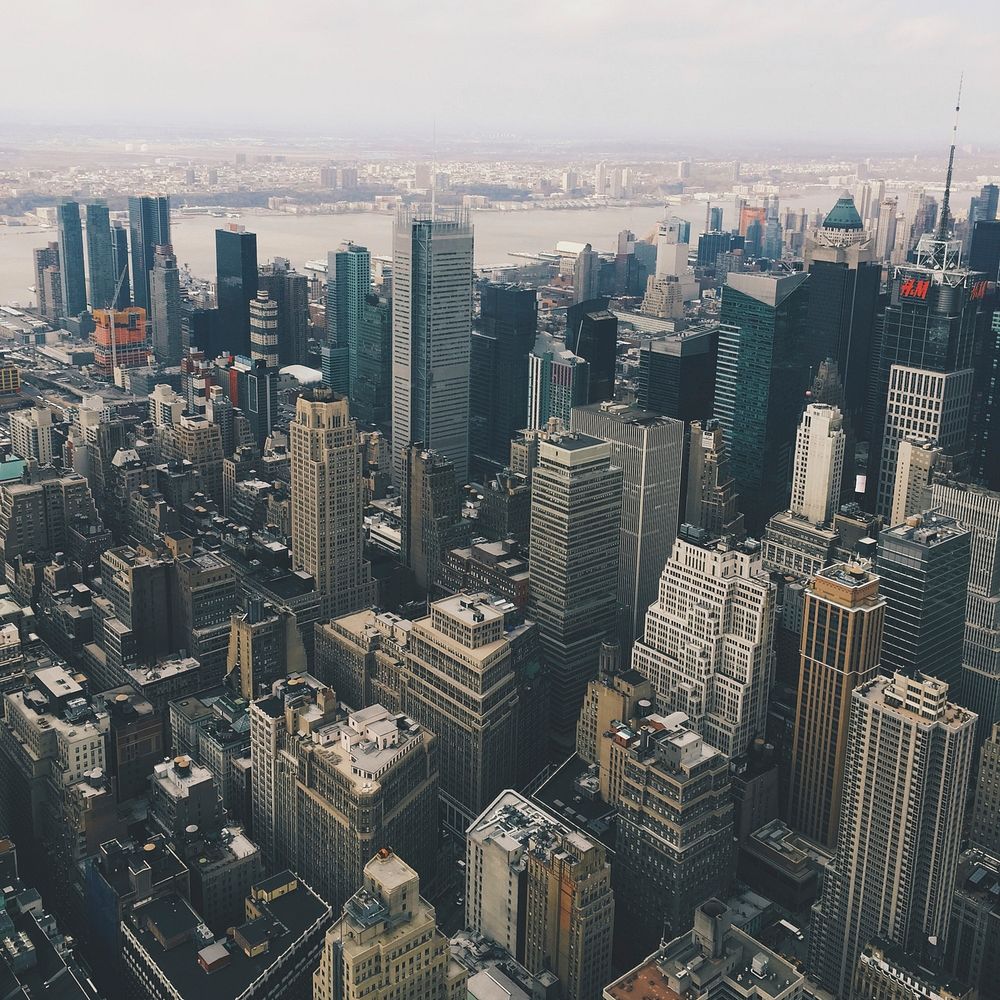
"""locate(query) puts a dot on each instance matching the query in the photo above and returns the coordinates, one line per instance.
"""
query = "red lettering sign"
(915, 288)
(978, 290)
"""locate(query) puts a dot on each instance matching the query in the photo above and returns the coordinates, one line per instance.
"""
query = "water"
(307, 237)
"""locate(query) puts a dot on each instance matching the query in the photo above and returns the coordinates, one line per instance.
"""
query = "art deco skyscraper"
(165, 299)
(909, 751)
(74, 288)
(708, 638)
(327, 530)
(431, 329)
(149, 227)
(712, 502)
(842, 621)
(576, 502)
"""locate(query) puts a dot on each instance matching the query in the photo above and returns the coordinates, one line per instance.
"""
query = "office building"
(649, 449)
(984, 830)
(149, 228)
(761, 374)
(327, 529)
(715, 960)
(431, 324)
(615, 695)
(348, 284)
(704, 658)
(32, 434)
(576, 505)
(586, 274)
(543, 892)
(119, 266)
(165, 306)
(182, 793)
(432, 522)
(711, 501)
(71, 266)
(984, 250)
(371, 399)
(290, 290)
(236, 286)
(501, 342)
(677, 373)
(344, 783)
(909, 751)
(842, 621)
(387, 945)
(674, 845)
(258, 395)
(819, 462)
(120, 339)
(844, 280)
(264, 329)
(170, 953)
(491, 567)
(592, 334)
(917, 459)
(558, 380)
(198, 441)
(924, 565)
(979, 511)
(101, 276)
(984, 205)
(973, 949)
(264, 645)
(48, 281)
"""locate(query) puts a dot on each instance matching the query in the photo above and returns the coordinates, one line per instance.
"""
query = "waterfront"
(305, 237)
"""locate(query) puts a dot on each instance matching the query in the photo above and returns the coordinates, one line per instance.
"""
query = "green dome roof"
(843, 215)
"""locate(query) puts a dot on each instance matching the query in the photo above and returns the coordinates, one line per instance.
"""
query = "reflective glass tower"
(236, 277)
(74, 288)
(149, 227)
(100, 256)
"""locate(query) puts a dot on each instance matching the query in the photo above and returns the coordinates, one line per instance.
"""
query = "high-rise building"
(32, 434)
(264, 646)
(844, 279)
(432, 514)
(984, 205)
(258, 395)
(818, 465)
(674, 845)
(236, 285)
(71, 266)
(677, 373)
(576, 503)
(558, 380)
(909, 751)
(917, 459)
(431, 324)
(974, 935)
(371, 399)
(984, 829)
(979, 511)
(149, 227)
(46, 262)
(264, 329)
(924, 569)
(984, 251)
(348, 284)
(761, 375)
(101, 274)
(120, 339)
(290, 290)
(199, 441)
(504, 337)
(592, 334)
(119, 266)
(711, 501)
(842, 620)
(707, 646)
(387, 945)
(586, 274)
(649, 449)
(542, 891)
(165, 303)
(327, 530)
(345, 782)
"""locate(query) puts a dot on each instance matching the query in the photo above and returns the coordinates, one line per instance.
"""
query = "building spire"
(943, 224)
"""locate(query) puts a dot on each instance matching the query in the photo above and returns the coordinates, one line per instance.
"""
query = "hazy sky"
(836, 70)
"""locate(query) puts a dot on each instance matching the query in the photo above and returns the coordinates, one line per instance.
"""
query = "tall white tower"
(819, 463)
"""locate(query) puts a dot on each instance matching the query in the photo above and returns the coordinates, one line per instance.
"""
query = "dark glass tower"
(119, 265)
(258, 391)
(74, 287)
(592, 334)
(371, 403)
(100, 256)
(498, 398)
(348, 283)
(984, 254)
(149, 227)
(761, 375)
(677, 374)
(844, 281)
(291, 291)
(236, 285)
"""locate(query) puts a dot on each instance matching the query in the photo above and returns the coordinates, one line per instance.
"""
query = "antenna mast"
(945, 213)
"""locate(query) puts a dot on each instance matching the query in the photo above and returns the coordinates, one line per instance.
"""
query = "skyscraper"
(47, 260)
(149, 227)
(761, 375)
(576, 499)
(704, 658)
(431, 324)
(371, 401)
(327, 531)
(649, 449)
(71, 267)
(165, 302)
(586, 274)
(264, 329)
(924, 568)
(100, 257)
(712, 502)
(290, 290)
(120, 339)
(498, 400)
(842, 620)
(558, 380)
(909, 751)
(677, 373)
(348, 284)
(592, 334)
(236, 270)
(844, 280)
(119, 266)
(819, 462)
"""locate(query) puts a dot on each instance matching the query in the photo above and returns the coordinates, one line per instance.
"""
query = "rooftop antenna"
(434, 156)
(943, 224)
(708, 215)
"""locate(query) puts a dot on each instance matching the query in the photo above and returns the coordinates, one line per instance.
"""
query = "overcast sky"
(814, 70)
